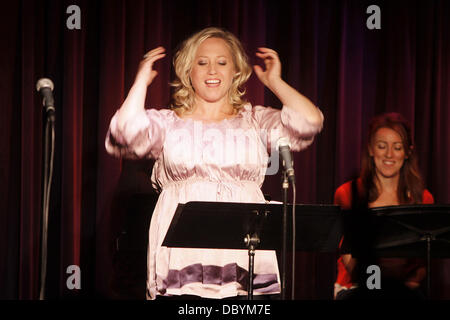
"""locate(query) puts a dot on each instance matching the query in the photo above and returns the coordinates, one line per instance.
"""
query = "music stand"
(251, 226)
(418, 227)
(410, 231)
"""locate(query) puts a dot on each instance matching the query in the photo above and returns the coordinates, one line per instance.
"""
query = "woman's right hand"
(145, 73)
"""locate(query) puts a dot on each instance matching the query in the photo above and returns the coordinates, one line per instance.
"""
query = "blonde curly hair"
(183, 96)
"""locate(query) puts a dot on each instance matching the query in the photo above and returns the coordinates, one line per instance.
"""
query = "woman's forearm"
(133, 104)
(291, 98)
(349, 262)
(135, 101)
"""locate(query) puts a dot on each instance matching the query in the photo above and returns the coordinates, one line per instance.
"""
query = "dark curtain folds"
(100, 204)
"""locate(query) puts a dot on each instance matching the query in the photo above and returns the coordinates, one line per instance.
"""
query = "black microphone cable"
(293, 239)
(45, 87)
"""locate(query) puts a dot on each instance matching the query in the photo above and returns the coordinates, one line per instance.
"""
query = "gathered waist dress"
(222, 161)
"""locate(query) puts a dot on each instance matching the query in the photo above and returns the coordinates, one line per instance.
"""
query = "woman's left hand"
(272, 74)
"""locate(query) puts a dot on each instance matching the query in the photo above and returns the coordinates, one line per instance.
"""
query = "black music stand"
(410, 231)
(251, 226)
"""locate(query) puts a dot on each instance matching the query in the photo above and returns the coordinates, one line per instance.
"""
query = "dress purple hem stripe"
(217, 275)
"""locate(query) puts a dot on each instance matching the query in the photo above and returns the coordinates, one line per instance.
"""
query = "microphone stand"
(285, 187)
(49, 150)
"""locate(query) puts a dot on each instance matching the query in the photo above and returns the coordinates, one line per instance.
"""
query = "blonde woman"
(211, 145)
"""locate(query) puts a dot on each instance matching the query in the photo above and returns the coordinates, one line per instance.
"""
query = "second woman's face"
(213, 70)
(388, 152)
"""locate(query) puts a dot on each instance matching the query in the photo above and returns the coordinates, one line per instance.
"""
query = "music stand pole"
(428, 237)
(251, 242)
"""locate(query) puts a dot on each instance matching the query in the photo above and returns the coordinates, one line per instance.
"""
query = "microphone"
(45, 87)
(284, 148)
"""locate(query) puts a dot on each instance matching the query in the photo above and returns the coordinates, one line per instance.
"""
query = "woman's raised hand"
(272, 73)
(145, 73)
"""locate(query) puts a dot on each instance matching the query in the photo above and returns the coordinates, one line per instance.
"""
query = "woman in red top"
(389, 176)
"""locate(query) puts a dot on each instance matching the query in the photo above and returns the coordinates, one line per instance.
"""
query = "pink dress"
(200, 161)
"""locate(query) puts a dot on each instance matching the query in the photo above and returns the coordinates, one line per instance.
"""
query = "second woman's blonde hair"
(183, 96)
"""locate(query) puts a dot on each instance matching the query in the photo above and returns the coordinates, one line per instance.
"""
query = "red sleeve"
(343, 196)
(427, 197)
